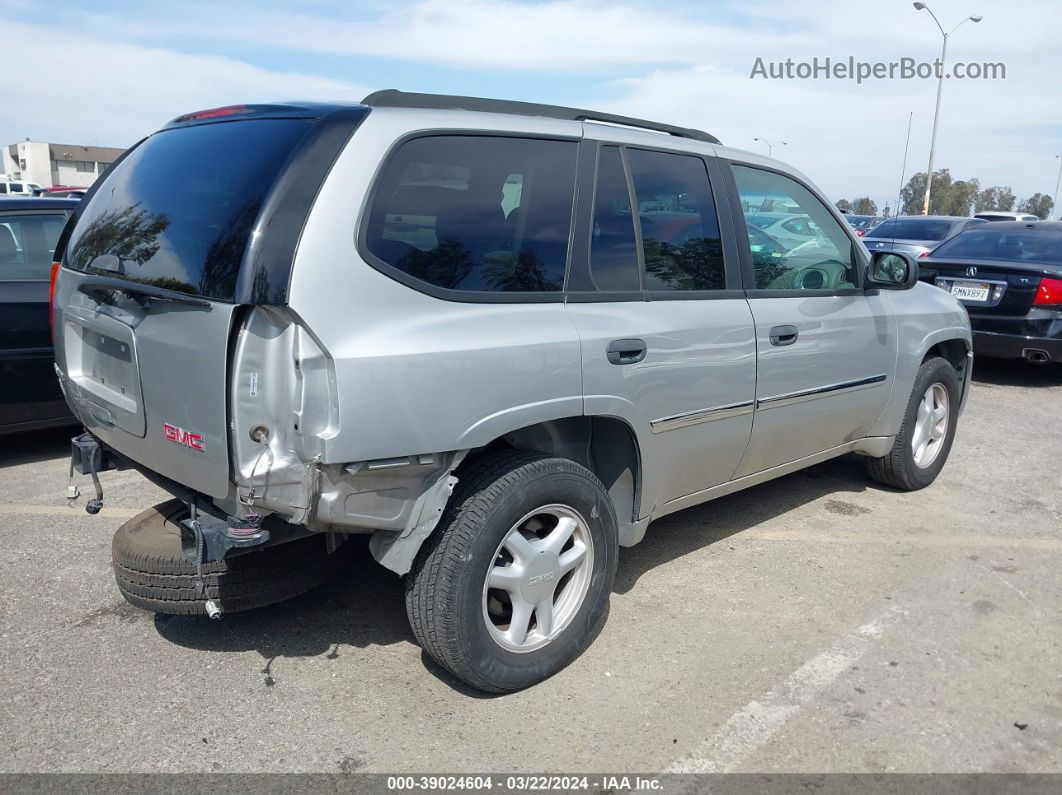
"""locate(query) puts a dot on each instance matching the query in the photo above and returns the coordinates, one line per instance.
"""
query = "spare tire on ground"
(152, 572)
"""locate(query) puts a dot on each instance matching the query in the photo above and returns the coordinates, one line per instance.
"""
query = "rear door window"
(27, 245)
(179, 210)
(476, 213)
(613, 246)
(680, 231)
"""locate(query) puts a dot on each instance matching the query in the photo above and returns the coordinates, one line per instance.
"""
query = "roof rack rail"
(392, 98)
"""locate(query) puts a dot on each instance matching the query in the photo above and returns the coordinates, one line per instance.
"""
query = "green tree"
(950, 196)
(996, 197)
(843, 205)
(913, 193)
(1039, 204)
(864, 205)
(961, 197)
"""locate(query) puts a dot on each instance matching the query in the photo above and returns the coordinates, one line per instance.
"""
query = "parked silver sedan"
(916, 235)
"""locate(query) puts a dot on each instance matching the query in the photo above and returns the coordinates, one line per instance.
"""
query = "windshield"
(912, 229)
(1013, 245)
(178, 211)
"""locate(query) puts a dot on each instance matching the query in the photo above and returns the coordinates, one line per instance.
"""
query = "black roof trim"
(392, 98)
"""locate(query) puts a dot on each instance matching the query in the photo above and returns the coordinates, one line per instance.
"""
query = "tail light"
(923, 255)
(859, 232)
(51, 297)
(1049, 293)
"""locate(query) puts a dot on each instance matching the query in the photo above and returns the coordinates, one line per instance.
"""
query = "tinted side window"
(476, 213)
(613, 249)
(27, 244)
(822, 259)
(680, 230)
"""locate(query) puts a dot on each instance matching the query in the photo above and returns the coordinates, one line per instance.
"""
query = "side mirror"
(891, 270)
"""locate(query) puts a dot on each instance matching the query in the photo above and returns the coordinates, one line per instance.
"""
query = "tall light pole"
(1057, 183)
(940, 87)
(770, 146)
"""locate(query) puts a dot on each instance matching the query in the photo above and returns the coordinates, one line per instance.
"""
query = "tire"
(899, 468)
(447, 599)
(152, 572)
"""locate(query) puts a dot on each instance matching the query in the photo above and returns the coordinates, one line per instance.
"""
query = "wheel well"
(953, 351)
(606, 446)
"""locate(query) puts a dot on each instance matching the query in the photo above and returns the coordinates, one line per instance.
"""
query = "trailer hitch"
(87, 457)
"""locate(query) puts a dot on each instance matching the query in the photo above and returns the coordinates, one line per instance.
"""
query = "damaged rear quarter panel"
(413, 375)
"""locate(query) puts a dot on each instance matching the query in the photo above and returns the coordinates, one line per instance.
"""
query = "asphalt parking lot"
(818, 623)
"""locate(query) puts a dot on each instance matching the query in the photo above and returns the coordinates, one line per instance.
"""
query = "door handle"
(784, 335)
(626, 351)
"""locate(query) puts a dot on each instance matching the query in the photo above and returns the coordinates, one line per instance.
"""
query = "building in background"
(57, 164)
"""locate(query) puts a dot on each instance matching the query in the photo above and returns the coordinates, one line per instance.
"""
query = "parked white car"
(19, 188)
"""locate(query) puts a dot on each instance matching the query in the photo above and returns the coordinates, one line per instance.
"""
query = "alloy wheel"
(931, 426)
(538, 578)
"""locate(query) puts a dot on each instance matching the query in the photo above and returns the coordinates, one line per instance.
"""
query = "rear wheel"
(515, 583)
(152, 572)
(924, 441)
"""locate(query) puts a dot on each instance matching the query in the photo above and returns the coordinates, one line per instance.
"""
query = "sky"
(109, 72)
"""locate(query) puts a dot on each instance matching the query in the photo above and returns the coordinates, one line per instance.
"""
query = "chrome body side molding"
(698, 416)
(819, 391)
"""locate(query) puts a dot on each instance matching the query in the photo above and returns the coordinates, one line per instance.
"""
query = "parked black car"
(1009, 276)
(30, 397)
(916, 235)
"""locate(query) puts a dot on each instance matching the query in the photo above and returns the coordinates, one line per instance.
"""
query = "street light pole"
(940, 89)
(1057, 183)
(770, 146)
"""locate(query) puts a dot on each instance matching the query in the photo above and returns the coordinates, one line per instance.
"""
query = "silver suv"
(498, 338)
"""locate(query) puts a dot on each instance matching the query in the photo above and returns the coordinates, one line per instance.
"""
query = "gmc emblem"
(181, 436)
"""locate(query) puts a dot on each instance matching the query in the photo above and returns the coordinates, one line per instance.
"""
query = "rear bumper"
(1013, 337)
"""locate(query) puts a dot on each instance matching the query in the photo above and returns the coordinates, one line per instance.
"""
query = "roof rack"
(392, 98)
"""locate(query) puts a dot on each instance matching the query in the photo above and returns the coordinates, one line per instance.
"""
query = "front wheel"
(515, 582)
(928, 430)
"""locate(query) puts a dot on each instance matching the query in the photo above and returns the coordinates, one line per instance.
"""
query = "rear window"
(178, 211)
(27, 243)
(476, 213)
(912, 229)
(990, 242)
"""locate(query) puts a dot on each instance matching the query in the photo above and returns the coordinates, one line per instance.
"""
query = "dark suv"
(30, 397)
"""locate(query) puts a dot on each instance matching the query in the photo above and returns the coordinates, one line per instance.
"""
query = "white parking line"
(758, 721)
(920, 540)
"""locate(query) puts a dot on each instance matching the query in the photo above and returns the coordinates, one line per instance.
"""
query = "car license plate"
(971, 291)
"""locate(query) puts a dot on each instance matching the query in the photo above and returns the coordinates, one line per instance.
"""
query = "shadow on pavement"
(694, 528)
(364, 604)
(1014, 372)
(32, 447)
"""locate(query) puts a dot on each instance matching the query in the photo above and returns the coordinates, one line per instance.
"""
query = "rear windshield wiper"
(102, 286)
